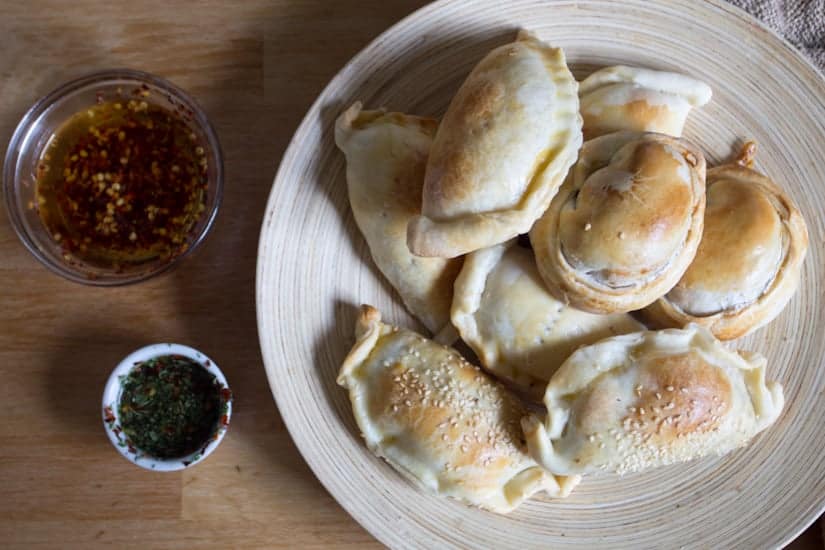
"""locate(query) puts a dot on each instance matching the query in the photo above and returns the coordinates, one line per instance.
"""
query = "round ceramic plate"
(314, 269)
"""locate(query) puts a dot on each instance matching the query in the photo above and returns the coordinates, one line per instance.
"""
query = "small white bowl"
(111, 400)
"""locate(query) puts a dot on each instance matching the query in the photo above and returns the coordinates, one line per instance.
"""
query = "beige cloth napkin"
(802, 22)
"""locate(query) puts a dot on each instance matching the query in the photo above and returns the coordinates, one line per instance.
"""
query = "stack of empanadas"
(627, 227)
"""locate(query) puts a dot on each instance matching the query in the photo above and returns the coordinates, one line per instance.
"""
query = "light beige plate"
(313, 268)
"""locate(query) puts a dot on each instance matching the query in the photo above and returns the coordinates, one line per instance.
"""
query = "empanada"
(440, 421)
(625, 225)
(748, 264)
(630, 98)
(502, 150)
(633, 402)
(386, 154)
(503, 311)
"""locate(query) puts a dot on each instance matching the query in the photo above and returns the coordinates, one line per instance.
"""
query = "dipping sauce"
(171, 406)
(122, 182)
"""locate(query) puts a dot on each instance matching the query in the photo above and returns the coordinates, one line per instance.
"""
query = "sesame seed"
(601, 445)
(641, 410)
(658, 395)
(668, 388)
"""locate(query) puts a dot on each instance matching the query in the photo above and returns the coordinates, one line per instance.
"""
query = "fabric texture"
(802, 22)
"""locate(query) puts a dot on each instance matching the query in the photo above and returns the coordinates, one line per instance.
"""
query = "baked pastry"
(748, 264)
(637, 401)
(440, 421)
(625, 225)
(502, 150)
(386, 154)
(522, 334)
(630, 98)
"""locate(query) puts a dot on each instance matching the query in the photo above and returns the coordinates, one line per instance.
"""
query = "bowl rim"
(42, 105)
(112, 394)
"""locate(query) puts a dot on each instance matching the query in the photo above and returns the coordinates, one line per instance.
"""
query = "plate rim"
(291, 151)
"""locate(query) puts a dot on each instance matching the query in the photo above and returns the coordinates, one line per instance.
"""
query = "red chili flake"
(109, 415)
(224, 420)
(123, 182)
(226, 394)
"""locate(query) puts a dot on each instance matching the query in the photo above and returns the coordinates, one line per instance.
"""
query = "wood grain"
(255, 66)
(759, 497)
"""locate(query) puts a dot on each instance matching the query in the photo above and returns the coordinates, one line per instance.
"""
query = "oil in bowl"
(166, 407)
(113, 178)
(122, 182)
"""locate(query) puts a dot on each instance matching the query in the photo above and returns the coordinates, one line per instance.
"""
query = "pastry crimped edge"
(346, 125)
(570, 287)
(526, 483)
(468, 291)
(449, 238)
(727, 325)
(693, 90)
(540, 432)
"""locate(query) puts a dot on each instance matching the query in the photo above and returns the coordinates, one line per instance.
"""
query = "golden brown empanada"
(440, 421)
(503, 148)
(625, 225)
(386, 155)
(748, 263)
(633, 402)
(630, 98)
(519, 331)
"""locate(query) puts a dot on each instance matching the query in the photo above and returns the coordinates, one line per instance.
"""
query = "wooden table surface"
(255, 66)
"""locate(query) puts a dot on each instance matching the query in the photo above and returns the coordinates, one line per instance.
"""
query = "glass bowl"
(33, 134)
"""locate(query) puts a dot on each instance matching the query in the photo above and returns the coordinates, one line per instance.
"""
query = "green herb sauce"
(170, 406)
